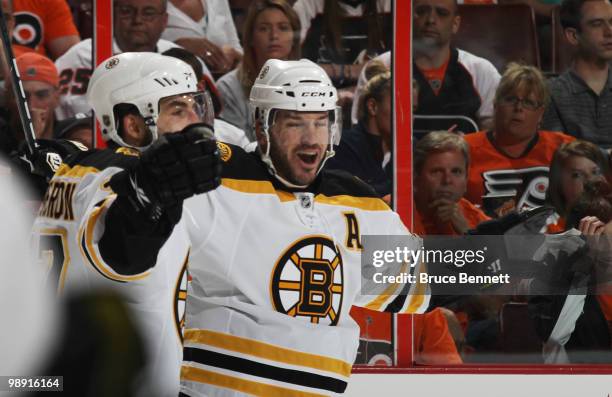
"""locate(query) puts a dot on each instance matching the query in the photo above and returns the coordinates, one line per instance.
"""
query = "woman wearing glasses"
(511, 162)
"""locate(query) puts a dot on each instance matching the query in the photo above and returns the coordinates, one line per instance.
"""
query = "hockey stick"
(20, 98)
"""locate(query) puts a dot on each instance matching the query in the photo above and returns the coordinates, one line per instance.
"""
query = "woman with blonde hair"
(510, 163)
(271, 31)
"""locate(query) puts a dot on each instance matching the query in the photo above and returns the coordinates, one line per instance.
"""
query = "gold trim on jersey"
(389, 292)
(258, 187)
(364, 203)
(417, 298)
(97, 262)
(128, 151)
(266, 187)
(267, 351)
(78, 171)
(66, 263)
(199, 375)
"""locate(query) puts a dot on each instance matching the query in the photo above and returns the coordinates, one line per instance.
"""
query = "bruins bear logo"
(307, 281)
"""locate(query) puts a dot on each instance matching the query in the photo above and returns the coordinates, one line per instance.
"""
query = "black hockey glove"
(175, 167)
(48, 156)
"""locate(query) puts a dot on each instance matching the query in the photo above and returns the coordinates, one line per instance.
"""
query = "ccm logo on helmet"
(314, 94)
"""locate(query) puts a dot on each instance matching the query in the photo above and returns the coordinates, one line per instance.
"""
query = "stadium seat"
(499, 33)
(562, 51)
(423, 124)
(519, 339)
(82, 14)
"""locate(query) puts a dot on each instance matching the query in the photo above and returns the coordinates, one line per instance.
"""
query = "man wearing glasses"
(137, 27)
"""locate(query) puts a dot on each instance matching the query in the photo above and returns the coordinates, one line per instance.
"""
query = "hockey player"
(136, 97)
(275, 250)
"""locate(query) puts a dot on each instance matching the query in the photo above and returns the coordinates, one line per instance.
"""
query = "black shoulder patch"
(340, 182)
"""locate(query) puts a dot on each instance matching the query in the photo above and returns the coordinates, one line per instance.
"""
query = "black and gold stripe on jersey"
(237, 356)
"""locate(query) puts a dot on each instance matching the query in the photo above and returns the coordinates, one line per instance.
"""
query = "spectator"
(441, 162)
(45, 26)
(138, 25)
(78, 129)
(385, 58)
(40, 82)
(342, 35)
(206, 28)
(365, 150)
(573, 165)
(581, 100)
(452, 81)
(576, 327)
(510, 163)
(271, 30)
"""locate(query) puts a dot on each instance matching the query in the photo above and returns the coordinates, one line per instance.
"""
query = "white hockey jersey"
(273, 275)
(75, 70)
(67, 223)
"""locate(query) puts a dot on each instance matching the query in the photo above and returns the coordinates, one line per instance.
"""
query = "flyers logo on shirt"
(307, 281)
(526, 186)
(28, 30)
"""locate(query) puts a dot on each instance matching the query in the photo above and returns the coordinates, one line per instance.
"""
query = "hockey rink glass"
(192, 108)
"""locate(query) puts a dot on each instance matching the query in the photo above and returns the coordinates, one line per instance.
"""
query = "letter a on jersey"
(308, 281)
(353, 241)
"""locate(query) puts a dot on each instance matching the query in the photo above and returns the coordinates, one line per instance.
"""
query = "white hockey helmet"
(301, 86)
(140, 79)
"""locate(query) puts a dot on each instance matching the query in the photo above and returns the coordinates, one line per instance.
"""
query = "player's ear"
(134, 129)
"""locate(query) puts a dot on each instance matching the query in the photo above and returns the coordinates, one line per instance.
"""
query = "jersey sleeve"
(74, 68)
(400, 297)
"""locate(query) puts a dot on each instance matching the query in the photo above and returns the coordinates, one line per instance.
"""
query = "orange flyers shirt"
(38, 22)
(424, 226)
(435, 77)
(496, 181)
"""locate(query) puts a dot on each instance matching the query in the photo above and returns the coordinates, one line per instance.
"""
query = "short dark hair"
(121, 110)
(570, 13)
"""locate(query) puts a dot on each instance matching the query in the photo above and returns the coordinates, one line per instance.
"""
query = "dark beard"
(282, 166)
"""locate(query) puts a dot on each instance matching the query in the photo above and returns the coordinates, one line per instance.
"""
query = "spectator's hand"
(39, 121)
(212, 54)
(232, 55)
(591, 226)
(449, 211)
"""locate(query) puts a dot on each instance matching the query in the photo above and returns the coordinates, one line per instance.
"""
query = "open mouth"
(308, 158)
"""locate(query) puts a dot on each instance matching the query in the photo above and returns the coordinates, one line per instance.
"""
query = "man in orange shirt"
(44, 26)
(441, 161)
